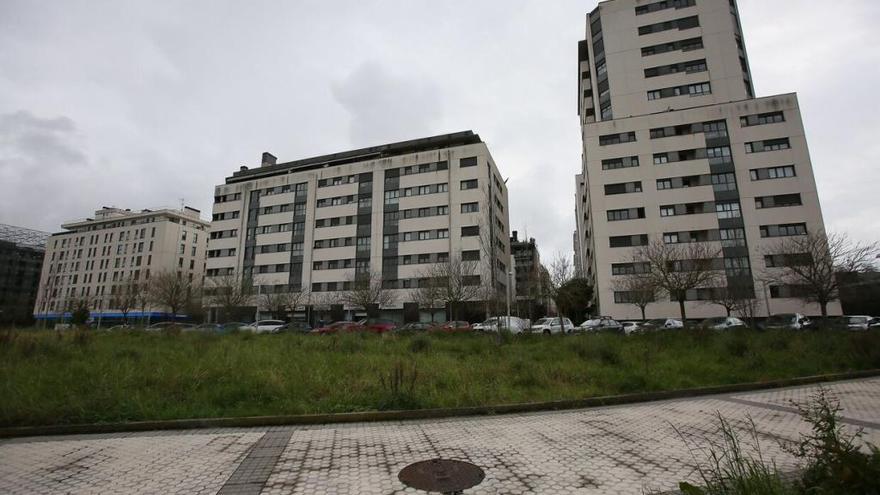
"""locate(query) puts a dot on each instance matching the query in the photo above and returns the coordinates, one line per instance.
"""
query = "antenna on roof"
(182, 201)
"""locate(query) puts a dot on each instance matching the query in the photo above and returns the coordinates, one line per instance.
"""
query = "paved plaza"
(623, 449)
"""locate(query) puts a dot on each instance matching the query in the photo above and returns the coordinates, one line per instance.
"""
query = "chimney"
(268, 159)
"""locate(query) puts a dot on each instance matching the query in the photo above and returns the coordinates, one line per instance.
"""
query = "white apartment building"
(676, 147)
(95, 256)
(387, 211)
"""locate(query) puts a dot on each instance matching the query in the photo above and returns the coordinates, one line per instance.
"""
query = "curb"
(374, 416)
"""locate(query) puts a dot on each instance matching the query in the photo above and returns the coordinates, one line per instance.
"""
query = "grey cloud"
(385, 106)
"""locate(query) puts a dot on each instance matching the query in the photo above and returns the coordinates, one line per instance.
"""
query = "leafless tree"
(677, 269)
(640, 288)
(560, 272)
(230, 293)
(428, 295)
(737, 297)
(170, 290)
(143, 298)
(367, 290)
(812, 262)
(455, 282)
(128, 294)
(283, 302)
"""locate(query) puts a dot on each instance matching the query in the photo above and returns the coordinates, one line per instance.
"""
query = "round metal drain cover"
(441, 475)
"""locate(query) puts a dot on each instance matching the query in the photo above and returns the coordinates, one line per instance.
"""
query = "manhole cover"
(441, 475)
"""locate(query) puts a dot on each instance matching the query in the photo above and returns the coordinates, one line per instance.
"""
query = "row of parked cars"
(546, 326)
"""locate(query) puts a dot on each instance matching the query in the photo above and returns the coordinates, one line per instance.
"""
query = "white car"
(517, 325)
(723, 323)
(551, 325)
(791, 321)
(857, 322)
(662, 324)
(263, 326)
(630, 327)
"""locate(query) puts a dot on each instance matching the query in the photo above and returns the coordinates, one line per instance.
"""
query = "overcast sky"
(140, 104)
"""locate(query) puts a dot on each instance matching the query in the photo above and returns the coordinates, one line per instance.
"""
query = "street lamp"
(509, 275)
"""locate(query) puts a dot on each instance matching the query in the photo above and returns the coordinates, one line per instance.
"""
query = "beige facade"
(94, 257)
(389, 211)
(706, 162)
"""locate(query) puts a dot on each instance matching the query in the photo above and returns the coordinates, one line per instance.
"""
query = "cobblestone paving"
(623, 449)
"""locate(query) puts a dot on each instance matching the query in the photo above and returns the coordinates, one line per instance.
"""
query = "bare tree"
(143, 299)
(560, 272)
(283, 302)
(170, 290)
(428, 295)
(367, 290)
(737, 297)
(812, 262)
(128, 294)
(677, 269)
(640, 288)
(454, 282)
(230, 293)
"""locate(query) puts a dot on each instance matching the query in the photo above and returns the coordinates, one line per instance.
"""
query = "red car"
(340, 327)
(378, 325)
(452, 327)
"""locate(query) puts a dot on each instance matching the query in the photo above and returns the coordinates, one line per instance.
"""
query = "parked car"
(115, 328)
(163, 325)
(792, 321)
(550, 325)
(340, 327)
(603, 323)
(207, 327)
(455, 326)
(512, 324)
(378, 325)
(722, 323)
(294, 327)
(263, 326)
(631, 327)
(233, 326)
(875, 322)
(662, 324)
(417, 326)
(857, 322)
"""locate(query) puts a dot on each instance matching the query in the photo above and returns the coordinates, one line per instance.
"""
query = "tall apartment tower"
(391, 211)
(676, 147)
(93, 258)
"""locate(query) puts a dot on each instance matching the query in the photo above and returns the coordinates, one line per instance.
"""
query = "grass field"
(49, 378)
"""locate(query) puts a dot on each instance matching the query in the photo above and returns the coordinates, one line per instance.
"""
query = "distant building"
(387, 212)
(529, 281)
(21, 259)
(678, 149)
(91, 260)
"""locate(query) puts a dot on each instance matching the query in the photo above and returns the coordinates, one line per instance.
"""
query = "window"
(424, 190)
(628, 241)
(616, 163)
(732, 237)
(718, 152)
(728, 210)
(468, 184)
(626, 137)
(762, 119)
(443, 210)
(778, 201)
(391, 197)
(424, 235)
(660, 158)
(655, 94)
(441, 188)
(699, 89)
(772, 172)
(724, 182)
(664, 4)
(682, 23)
(667, 211)
(470, 231)
(443, 234)
(470, 207)
(625, 214)
(768, 145)
(664, 184)
(785, 230)
(624, 188)
(671, 238)
(470, 255)
(468, 162)
(683, 45)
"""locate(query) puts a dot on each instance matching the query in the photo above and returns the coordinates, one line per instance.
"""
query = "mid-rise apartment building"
(677, 148)
(94, 257)
(21, 260)
(317, 224)
(529, 283)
